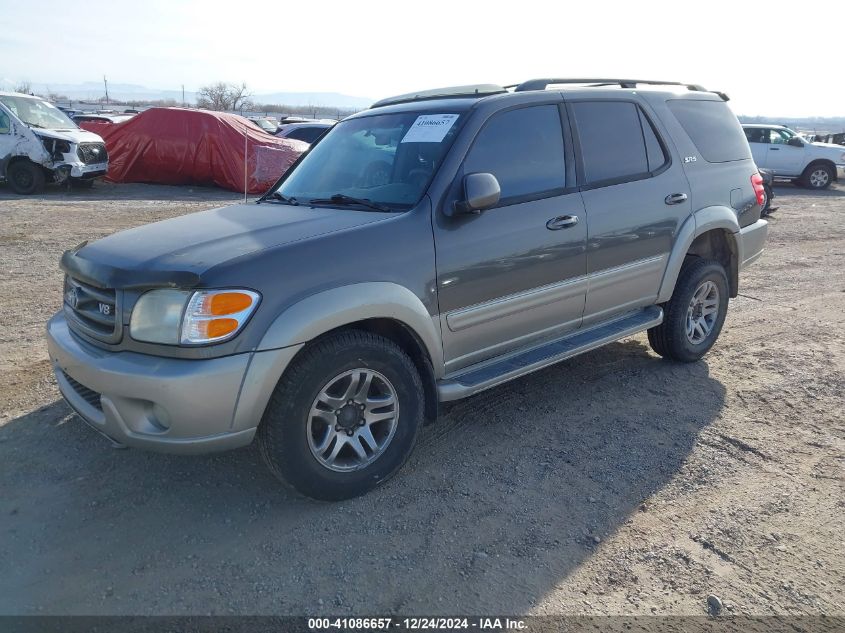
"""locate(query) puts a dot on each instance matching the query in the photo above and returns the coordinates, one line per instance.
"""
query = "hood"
(179, 250)
(74, 136)
(841, 148)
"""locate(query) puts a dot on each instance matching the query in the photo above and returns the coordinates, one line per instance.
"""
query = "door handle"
(774, 149)
(562, 222)
(676, 198)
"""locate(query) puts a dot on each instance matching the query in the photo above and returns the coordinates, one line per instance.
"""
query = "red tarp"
(178, 146)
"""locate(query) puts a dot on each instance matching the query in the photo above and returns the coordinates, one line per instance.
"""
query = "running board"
(496, 371)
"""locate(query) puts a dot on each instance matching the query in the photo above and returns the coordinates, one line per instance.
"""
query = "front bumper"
(165, 404)
(751, 242)
(81, 170)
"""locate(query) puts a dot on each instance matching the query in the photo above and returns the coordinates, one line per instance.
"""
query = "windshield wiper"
(344, 200)
(35, 125)
(282, 198)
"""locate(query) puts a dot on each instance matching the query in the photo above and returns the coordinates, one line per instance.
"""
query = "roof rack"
(479, 90)
(542, 84)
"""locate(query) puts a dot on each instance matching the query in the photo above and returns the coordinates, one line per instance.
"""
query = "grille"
(89, 395)
(92, 153)
(92, 310)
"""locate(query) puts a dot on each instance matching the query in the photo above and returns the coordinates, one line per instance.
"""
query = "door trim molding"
(509, 305)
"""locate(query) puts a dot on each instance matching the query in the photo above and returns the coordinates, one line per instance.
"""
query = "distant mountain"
(93, 90)
(817, 124)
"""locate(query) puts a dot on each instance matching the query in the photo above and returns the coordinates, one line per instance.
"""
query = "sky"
(770, 57)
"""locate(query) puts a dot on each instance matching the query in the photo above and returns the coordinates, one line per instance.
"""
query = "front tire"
(344, 417)
(818, 176)
(25, 178)
(693, 317)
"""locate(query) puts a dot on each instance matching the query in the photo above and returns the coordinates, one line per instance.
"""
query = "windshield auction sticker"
(429, 128)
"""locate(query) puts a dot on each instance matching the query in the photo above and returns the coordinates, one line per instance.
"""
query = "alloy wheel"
(702, 312)
(352, 420)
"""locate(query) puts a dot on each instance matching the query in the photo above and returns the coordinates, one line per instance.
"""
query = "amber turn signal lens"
(227, 303)
(215, 328)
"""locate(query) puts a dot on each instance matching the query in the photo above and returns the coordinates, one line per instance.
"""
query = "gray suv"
(429, 248)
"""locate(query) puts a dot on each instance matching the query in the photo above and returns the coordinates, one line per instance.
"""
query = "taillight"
(757, 185)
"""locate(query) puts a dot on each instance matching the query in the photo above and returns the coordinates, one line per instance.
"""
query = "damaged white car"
(40, 144)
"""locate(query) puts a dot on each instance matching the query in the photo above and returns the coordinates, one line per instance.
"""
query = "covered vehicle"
(179, 146)
(40, 144)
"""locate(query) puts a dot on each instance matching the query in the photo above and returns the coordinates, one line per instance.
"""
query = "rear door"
(758, 141)
(514, 274)
(635, 198)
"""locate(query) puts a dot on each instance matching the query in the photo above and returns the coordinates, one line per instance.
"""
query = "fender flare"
(321, 313)
(700, 222)
(334, 308)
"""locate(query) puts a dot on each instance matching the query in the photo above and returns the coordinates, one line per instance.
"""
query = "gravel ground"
(614, 483)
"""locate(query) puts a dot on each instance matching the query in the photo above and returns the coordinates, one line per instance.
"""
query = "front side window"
(524, 149)
(779, 137)
(387, 159)
(38, 113)
(613, 140)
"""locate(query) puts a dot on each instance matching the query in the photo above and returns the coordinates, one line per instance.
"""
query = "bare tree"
(240, 96)
(222, 96)
(24, 86)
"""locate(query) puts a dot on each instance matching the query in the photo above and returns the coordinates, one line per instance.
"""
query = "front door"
(514, 274)
(783, 159)
(636, 199)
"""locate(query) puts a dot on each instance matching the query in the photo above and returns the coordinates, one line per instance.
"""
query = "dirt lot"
(612, 483)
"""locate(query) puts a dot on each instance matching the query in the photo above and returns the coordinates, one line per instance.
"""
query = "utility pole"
(183, 95)
(106, 84)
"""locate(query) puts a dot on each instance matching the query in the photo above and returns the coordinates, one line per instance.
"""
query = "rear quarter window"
(713, 129)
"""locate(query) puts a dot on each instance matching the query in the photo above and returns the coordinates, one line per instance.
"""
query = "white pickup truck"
(788, 155)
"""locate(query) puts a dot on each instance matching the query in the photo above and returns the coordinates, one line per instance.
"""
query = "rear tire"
(25, 178)
(818, 176)
(327, 431)
(693, 317)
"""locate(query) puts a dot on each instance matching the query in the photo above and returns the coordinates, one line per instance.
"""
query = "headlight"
(174, 317)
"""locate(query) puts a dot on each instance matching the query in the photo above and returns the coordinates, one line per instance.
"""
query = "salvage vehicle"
(789, 156)
(514, 227)
(40, 144)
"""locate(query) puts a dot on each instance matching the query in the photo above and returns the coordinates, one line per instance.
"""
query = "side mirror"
(795, 142)
(481, 191)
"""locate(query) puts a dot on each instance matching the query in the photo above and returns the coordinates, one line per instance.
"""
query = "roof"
(477, 92)
(19, 94)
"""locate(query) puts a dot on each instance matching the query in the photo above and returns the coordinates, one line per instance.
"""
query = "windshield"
(387, 159)
(38, 113)
(265, 125)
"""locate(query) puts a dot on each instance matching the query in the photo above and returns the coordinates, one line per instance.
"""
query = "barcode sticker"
(429, 128)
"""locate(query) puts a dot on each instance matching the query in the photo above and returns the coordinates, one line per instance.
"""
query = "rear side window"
(617, 141)
(713, 129)
(524, 149)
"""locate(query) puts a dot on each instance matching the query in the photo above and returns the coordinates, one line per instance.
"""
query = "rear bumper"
(751, 242)
(161, 404)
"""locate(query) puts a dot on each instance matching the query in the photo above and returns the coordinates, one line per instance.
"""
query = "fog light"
(160, 417)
